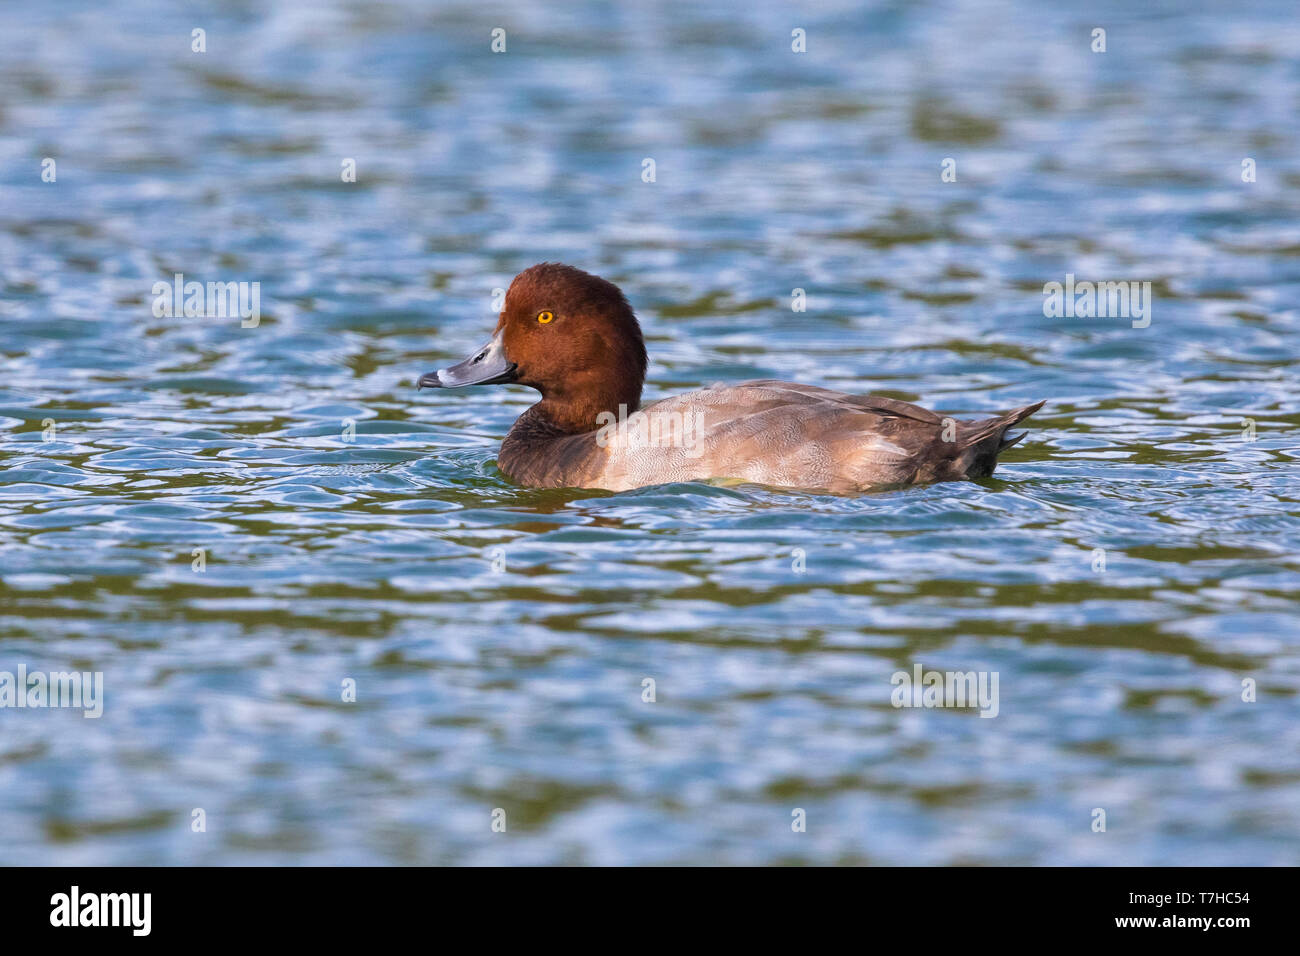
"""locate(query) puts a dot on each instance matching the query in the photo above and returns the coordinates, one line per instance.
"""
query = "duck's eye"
(544, 317)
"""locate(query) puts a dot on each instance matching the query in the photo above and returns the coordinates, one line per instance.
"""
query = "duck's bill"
(487, 366)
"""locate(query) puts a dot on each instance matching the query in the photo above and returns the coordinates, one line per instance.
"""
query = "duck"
(573, 337)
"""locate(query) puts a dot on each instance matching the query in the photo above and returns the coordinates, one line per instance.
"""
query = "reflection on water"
(1126, 569)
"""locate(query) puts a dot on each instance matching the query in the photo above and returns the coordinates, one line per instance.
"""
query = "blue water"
(498, 637)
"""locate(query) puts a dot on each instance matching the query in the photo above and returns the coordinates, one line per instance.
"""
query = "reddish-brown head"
(568, 334)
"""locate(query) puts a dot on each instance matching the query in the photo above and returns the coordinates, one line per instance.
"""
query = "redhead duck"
(572, 337)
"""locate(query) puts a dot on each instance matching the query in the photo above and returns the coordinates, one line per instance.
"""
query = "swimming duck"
(572, 337)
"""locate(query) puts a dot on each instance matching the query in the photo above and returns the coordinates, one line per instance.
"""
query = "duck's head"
(568, 334)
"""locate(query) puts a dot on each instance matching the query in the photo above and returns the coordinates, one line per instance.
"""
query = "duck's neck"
(584, 398)
(575, 415)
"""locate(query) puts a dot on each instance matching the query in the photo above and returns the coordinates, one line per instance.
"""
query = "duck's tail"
(981, 442)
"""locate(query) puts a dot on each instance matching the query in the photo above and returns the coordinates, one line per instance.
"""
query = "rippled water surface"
(1128, 567)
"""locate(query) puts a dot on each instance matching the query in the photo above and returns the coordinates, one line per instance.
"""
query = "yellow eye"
(544, 317)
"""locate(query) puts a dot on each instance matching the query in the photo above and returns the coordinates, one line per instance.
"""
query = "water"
(372, 560)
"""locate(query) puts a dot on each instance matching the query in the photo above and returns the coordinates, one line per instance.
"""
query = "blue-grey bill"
(487, 366)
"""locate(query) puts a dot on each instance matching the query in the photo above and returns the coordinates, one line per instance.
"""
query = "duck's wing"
(768, 432)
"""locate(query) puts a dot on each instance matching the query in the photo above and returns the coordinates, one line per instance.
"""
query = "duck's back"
(774, 433)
